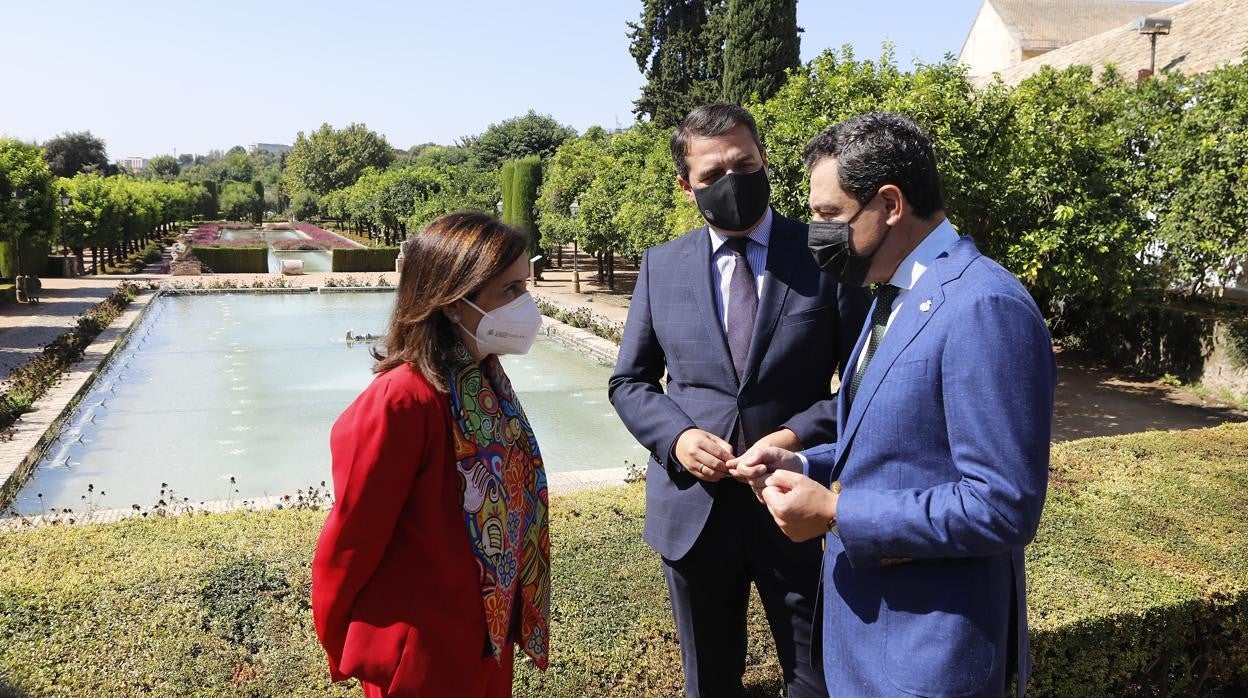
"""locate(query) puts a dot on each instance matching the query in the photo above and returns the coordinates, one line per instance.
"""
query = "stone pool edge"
(37, 429)
(34, 431)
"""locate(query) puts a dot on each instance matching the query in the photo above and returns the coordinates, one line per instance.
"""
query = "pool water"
(247, 386)
(313, 260)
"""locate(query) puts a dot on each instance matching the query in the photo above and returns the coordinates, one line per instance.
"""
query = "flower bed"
(308, 245)
(205, 234)
(322, 235)
(582, 318)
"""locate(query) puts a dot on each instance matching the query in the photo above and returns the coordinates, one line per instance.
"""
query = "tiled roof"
(1205, 34)
(1041, 25)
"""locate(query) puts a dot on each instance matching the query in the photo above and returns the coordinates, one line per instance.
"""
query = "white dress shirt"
(723, 261)
(912, 268)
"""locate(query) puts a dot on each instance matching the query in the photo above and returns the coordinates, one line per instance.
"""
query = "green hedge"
(365, 259)
(34, 257)
(1139, 577)
(1139, 586)
(234, 260)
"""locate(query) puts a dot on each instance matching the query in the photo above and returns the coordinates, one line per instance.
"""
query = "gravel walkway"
(25, 328)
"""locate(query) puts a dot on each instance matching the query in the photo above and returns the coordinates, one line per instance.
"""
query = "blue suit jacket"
(673, 327)
(943, 462)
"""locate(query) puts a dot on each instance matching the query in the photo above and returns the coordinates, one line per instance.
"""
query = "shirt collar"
(760, 235)
(922, 256)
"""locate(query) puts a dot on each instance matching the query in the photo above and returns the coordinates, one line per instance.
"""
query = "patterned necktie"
(742, 304)
(884, 297)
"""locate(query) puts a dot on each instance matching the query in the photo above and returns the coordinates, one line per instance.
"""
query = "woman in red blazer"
(435, 560)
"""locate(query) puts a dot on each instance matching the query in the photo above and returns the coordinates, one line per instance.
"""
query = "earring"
(455, 318)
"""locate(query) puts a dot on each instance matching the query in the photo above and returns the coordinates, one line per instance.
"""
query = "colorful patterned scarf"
(504, 498)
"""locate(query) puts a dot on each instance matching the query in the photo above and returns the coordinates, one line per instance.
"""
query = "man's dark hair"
(708, 121)
(879, 148)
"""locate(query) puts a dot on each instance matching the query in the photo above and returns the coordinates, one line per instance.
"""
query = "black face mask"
(736, 201)
(829, 243)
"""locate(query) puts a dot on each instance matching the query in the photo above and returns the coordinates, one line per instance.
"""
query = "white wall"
(990, 47)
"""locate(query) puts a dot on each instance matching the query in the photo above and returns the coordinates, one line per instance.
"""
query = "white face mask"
(511, 329)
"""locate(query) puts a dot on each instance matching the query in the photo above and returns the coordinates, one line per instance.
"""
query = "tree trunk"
(611, 269)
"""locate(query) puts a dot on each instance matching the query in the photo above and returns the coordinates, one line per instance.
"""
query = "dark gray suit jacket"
(804, 332)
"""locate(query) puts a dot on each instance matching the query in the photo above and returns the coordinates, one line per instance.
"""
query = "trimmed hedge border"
(1139, 586)
(365, 259)
(35, 252)
(234, 260)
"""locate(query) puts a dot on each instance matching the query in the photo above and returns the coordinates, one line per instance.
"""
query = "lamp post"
(574, 209)
(1152, 27)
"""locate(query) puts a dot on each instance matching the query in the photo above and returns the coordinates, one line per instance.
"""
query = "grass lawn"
(1139, 585)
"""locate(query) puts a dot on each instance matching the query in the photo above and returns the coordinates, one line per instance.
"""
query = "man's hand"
(802, 508)
(703, 454)
(754, 465)
(781, 438)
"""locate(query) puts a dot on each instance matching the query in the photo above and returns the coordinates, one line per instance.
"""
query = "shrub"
(1139, 577)
(250, 259)
(304, 205)
(364, 260)
(35, 252)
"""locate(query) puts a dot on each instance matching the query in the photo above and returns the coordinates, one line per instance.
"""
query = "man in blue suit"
(937, 477)
(749, 333)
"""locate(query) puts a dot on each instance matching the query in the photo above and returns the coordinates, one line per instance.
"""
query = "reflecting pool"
(313, 260)
(247, 386)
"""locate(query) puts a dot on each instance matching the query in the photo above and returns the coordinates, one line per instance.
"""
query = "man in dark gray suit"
(749, 333)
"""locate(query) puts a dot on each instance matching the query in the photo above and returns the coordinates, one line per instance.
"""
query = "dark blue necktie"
(884, 297)
(742, 304)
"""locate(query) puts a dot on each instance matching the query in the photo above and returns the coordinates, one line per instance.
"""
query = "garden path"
(26, 327)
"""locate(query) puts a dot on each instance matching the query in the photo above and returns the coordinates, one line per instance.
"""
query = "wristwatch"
(836, 489)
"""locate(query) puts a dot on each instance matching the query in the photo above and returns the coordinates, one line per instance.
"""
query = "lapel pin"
(925, 305)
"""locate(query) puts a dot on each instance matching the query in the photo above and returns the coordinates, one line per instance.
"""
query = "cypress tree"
(679, 47)
(258, 214)
(762, 42)
(213, 204)
(527, 180)
(508, 187)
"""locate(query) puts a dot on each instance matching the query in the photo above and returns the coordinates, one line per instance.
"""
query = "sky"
(152, 77)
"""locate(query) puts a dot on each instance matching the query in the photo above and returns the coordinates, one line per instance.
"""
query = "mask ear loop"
(455, 320)
(476, 307)
(849, 238)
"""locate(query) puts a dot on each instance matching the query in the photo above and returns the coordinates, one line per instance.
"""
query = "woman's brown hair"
(452, 258)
